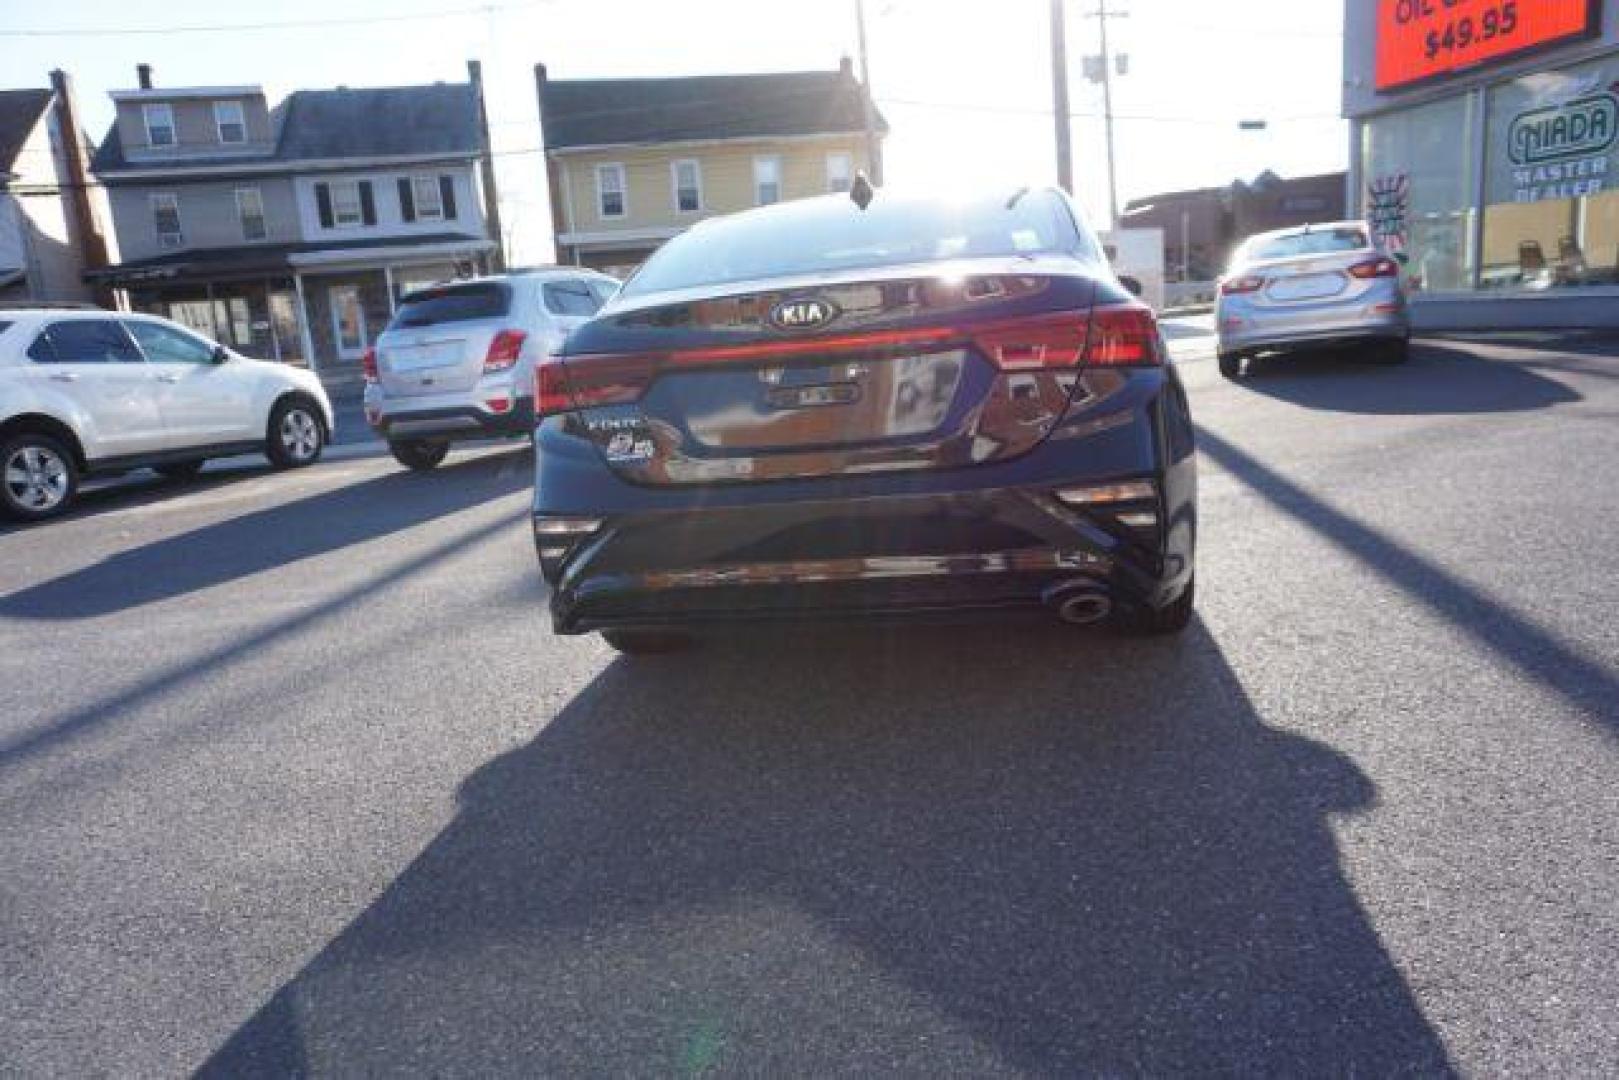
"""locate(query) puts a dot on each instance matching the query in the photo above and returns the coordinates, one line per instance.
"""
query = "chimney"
(561, 217)
(143, 73)
(486, 168)
(86, 230)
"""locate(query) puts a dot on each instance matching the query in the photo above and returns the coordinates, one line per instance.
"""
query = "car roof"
(525, 273)
(816, 206)
(56, 311)
(1312, 227)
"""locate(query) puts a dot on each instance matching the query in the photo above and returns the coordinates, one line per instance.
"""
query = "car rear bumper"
(910, 555)
(452, 422)
(1242, 327)
(618, 551)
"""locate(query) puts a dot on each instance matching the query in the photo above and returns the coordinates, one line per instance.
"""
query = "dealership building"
(1485, 151)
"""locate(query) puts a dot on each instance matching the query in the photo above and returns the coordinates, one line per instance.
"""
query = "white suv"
(457, 360)
(85, 391)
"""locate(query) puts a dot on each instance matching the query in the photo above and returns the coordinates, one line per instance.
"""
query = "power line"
(1026, 110)
(280, 24)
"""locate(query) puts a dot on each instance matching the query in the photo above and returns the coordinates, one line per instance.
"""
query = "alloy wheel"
(300, 435)
(36, 478)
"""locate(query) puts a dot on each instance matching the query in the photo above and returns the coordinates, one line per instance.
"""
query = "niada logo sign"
(1586, 125)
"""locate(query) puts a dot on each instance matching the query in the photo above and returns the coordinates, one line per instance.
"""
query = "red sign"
(1419, 39)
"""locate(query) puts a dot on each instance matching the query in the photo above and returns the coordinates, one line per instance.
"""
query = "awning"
(371, 256)
(249, 261)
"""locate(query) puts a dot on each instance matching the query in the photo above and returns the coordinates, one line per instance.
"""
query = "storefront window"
(1551, 192)
(229, 320)
(1418, 168)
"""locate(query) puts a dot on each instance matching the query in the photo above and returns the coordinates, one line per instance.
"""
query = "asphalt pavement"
(294, 779)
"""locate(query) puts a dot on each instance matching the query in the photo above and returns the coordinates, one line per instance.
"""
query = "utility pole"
(1059, 94)
(486, 170)
(1102, 15)
(874, 151)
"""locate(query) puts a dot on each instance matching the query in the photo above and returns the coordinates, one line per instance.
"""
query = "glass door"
(348, 321)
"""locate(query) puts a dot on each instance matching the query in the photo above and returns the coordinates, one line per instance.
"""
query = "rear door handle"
(167, 378)
(64, 376)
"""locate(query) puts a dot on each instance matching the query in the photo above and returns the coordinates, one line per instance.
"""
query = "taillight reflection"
(368, 364)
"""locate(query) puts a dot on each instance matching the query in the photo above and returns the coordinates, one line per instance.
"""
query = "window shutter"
(446, 191)
(368, 205)
(323, 202)
(407, 199)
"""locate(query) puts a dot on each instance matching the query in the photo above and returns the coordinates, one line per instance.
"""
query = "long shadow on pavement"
(1439, 379)
(1583, 682)
(268, 538)
(90, 719)
(925, 850)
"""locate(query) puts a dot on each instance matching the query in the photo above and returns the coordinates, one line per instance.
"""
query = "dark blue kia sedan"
(866, 405)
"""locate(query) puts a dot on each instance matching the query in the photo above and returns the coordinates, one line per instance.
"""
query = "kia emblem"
(802, 313)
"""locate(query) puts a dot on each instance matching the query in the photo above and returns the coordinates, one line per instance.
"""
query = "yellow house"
(633, 162)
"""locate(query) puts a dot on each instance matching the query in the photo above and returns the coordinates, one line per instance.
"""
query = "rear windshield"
(571, 298)
(1324, 242)
(830, 234)
(452, 303)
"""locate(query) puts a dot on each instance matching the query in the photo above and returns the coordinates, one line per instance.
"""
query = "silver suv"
(457, 360)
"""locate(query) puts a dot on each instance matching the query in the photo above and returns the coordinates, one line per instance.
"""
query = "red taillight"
(550, 389)
(586, 382)
(1123, 335)
(368, 363)
(837, 343)
(1375, 268)
(504, 350)
(1047, 341)
(1240, 285)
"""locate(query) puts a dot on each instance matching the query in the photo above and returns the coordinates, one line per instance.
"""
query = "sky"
(965, 84)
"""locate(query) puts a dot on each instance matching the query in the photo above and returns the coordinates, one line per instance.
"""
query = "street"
(295, 779)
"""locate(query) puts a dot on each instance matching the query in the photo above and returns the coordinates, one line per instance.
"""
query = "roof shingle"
(20, 111)
(594, 112)
(313, 125)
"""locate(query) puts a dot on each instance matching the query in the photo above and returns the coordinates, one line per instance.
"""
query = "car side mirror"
(220, 354)
(1130, 283)
(1402, 258)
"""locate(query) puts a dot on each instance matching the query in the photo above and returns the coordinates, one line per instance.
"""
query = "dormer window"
(229, 121)
(159, 124)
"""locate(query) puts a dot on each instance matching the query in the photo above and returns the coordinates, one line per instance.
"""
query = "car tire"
(1397, 351)
(419, 455)
(180, 471)
(38, 477)
(646, 642)
(296, 435)
(1231, 365)
(1162, 622)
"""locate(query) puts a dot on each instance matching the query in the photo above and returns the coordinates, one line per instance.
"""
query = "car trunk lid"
(898, 370)
(1307, 279)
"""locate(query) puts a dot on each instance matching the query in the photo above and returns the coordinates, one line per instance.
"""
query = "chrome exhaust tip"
(1079, 603)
